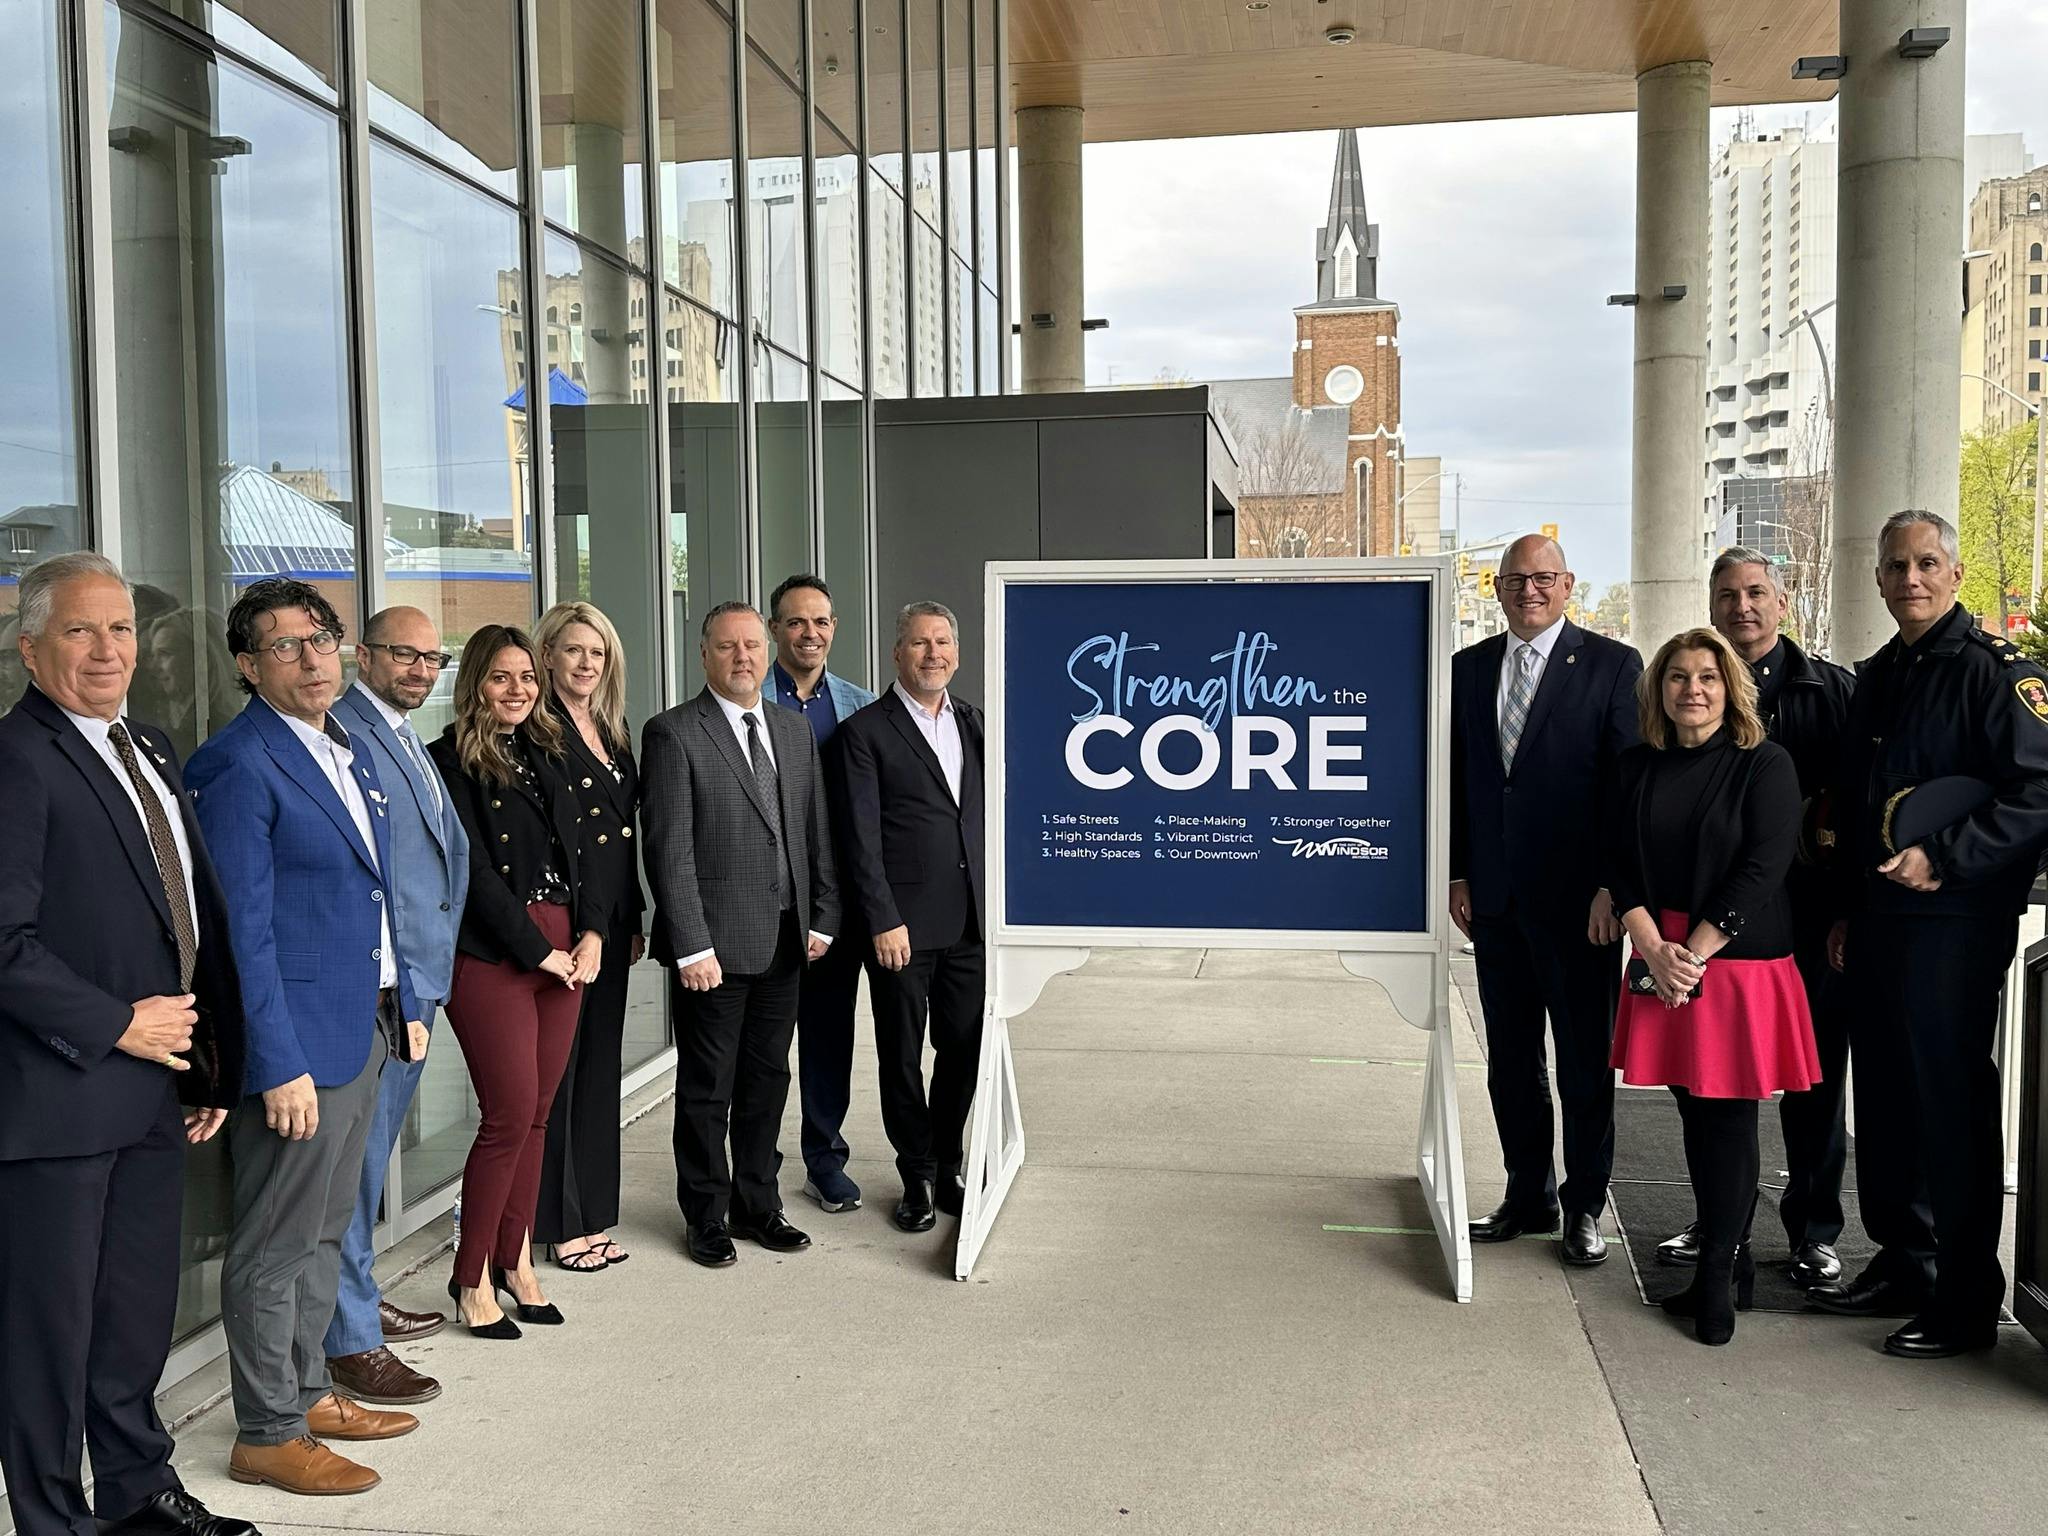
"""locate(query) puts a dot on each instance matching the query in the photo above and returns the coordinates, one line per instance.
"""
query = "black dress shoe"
(949, 1194)
(1505, 1223)
(1815, 1264)
(774, 1233)
(1681, 1250)
(913, 1212)
(1925, 1339)
(174, 1512)
(710, 1246)
(1865, 1297)
(1583, 1245)
(545, 1313)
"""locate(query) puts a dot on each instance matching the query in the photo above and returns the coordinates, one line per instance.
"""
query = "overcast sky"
(1500, 242)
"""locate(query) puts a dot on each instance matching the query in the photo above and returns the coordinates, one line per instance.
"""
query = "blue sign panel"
(1228, 755)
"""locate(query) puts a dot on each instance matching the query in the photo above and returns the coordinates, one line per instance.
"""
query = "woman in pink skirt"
(1704, 821)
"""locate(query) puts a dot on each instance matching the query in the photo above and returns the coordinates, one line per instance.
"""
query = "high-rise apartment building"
(2004, 334)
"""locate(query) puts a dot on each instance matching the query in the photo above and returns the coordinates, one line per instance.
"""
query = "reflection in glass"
(989, 358)
(39, 471)
(890, 327)
(835, 74)
(928, 274)
(782, 434)
(232, 398)
(444, 78)
(960, 127)
(922, 18)
(451, 388)
(776, 29)
(837, 235)
(885, 89)
(843, 450)
(705, 492)
(590, 53)
(960, 327)
(693, 65)
(603, 431)
(987, 241)
(775, 208)
(296, 39)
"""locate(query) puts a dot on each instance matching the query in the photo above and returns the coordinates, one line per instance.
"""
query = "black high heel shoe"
(547, 1313)
(503, 1328)
(1714, 1322)
(1745, 1277)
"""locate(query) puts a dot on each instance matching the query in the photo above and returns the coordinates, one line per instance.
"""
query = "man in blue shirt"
(801, 618)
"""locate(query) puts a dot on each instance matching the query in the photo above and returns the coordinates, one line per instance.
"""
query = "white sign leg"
(1440, 1160)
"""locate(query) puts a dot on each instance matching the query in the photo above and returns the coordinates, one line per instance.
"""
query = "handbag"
(1641, 983)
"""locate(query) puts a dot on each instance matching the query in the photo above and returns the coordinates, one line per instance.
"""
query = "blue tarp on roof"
(562, 390)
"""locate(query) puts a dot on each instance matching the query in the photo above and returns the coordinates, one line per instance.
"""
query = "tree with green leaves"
(1995, 522)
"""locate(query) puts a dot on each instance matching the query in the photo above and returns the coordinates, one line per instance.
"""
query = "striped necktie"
(410, 740)
(1515, 714)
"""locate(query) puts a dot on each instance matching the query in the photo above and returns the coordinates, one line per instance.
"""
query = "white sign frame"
(1413, 967)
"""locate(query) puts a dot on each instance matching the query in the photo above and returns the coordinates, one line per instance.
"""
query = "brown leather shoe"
(379, 1376)
(303, 1466)
(401, 1324)
(335, 1417)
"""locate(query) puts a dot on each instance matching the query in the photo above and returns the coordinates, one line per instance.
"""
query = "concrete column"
(1898, 265)
(1667, 483)
(1049, 270)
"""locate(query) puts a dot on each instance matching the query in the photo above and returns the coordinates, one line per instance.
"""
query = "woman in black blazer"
(1705, 822)
(586, 698)
(532, 937)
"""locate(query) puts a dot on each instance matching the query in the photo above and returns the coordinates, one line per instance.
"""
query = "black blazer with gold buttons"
(515, 831)
(609, 807)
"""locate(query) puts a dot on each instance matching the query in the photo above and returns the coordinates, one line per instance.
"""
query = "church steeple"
(1347, 247)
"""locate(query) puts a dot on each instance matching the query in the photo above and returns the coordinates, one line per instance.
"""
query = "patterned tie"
(1516, 715)
(764, 776)
(169, 867)
(410, 740)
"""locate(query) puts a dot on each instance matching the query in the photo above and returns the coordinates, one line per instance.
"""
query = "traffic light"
(1486, 583)
(1550, 531)
(1464, 567)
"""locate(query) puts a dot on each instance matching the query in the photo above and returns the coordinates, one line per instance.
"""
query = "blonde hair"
(477, 729)
(1744, 724)
(608, 706)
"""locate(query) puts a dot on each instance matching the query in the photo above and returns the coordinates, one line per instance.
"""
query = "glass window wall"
(706, 492)
(299, 40)
(41, 498)
(782, 440)
(986, 242)
(889, 325)
(960, 327)
(693, 68)
(590, 84)
(444, 78)
(842, 449)
(928, 296)
(884, 64)
(775, 208)
(959, 117)
(836, 227)
(989, 358)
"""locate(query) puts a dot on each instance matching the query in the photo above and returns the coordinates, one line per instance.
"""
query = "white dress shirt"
(401, 726)
(941, 729)
(97, 733)
(1511, 659)
(736, 717)
(330, 749)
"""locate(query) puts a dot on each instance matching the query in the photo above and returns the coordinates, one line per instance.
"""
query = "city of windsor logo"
(2033, 693)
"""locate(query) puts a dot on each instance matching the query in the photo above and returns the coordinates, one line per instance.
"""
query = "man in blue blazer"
(1538, 717)
(397, 662)
(300, 828)
(801, 618)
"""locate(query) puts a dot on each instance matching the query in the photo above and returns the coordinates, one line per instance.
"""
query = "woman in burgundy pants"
(531, 939)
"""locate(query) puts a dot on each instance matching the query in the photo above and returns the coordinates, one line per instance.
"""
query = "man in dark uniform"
(1803, 702)
(1931, 900)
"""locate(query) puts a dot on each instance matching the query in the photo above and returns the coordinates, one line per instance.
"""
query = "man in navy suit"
(118, 1005)
(1538, 717)
(397, 662)
(298, 825)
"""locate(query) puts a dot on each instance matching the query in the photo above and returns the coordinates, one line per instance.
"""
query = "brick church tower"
(1347, 351)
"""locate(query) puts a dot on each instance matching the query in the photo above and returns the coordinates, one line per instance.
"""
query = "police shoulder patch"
(2033, 692)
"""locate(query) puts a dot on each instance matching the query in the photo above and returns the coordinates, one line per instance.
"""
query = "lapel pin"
(378, 796)
(1574, 656)
(162, 761)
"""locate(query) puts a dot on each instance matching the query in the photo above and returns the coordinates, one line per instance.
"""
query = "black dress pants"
(824, 1050)
(579, 1170)
(946, 987)
(1814, 1122)
(1531, 967)
(732, 1074)
(88, 1290)
(1930, 1162)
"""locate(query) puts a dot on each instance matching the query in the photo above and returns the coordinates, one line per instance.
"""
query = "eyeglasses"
(1542, 581)
(325, 642)
(406, 655)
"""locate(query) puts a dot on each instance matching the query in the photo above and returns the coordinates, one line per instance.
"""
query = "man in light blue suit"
(299, 826)
(397, 662)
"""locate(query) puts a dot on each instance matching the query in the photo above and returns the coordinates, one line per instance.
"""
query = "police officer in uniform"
(1955, 719)
(1804, 701)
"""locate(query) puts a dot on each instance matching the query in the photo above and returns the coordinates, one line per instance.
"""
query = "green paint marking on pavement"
(1330, 1226)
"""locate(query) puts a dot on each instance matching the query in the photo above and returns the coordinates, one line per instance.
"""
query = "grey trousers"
(293, 1202)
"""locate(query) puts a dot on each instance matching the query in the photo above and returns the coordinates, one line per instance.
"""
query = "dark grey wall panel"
(1123, 488)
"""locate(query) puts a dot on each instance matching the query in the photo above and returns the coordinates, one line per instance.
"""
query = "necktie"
(410, 740)
(762, 764)
(1516, 715)
(169, 867)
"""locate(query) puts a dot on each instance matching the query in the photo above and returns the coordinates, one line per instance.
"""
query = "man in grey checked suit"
(397, 662)
(740, 862)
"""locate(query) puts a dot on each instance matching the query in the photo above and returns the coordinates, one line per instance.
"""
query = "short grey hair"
(921, 610)
(38, 591)
(1898, 522)
(1742, 554)
(735, 606)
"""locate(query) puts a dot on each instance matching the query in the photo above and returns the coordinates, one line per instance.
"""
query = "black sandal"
(613, 1254)
(575, 1262)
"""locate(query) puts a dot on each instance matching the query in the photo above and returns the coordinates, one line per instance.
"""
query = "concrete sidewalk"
(1164, 1335)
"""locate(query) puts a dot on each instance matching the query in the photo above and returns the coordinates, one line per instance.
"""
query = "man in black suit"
(740, 861)
(119, 1003)
(911, 781)
(1538, 717)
